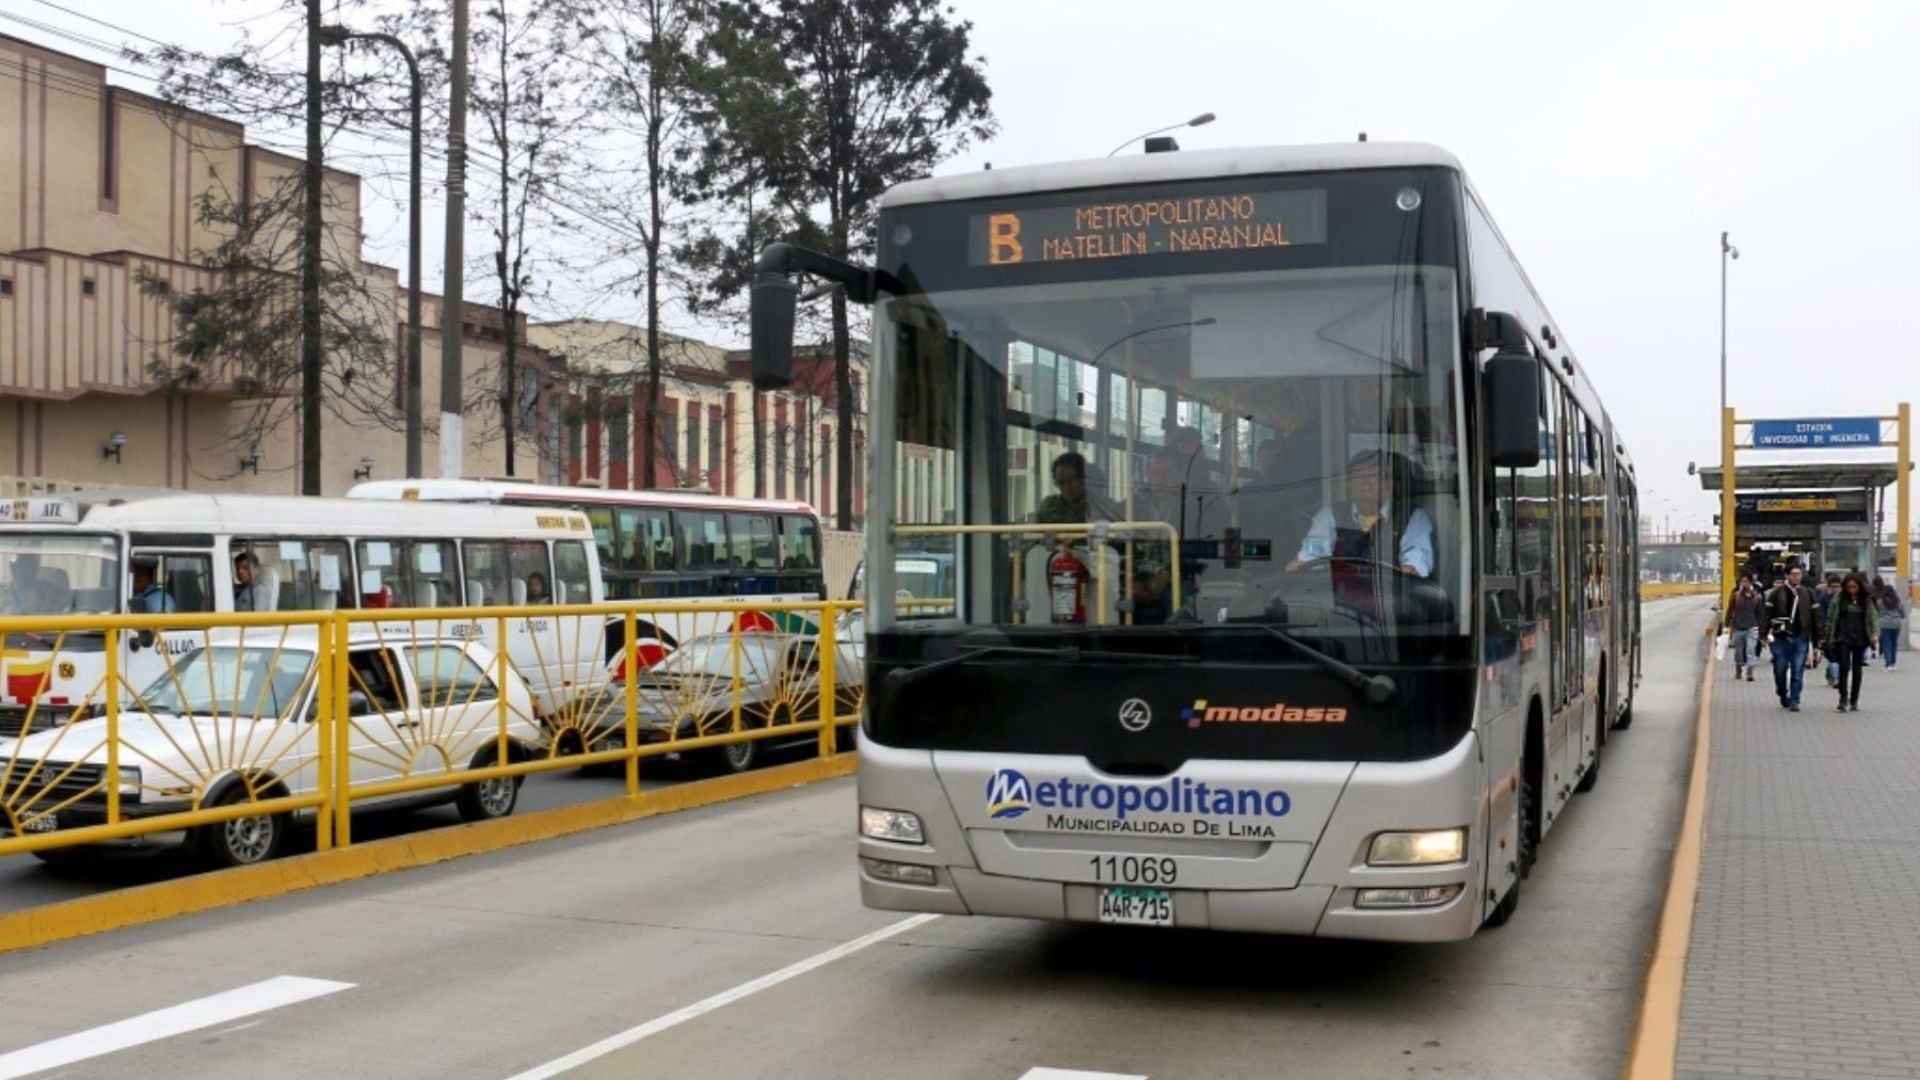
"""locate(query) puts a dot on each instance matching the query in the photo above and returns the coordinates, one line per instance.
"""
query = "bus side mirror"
(1512, 393)
(772, 302)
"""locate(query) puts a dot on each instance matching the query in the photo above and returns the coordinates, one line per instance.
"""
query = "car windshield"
(258, 682)
(58, 574)
(1223, 445)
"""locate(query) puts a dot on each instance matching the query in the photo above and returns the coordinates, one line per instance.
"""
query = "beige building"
(106, 195)
(711, 422)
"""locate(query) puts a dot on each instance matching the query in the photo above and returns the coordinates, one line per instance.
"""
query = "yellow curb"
(143, 904)
(1656, 1030)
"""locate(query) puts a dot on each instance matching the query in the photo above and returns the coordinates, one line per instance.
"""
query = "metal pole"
(310, 356)
(453, 303)
(414, 465)
(1723, 321)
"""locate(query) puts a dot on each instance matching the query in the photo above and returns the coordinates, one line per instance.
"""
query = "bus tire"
(1592, 775)
(1530, 766)
(246, 841)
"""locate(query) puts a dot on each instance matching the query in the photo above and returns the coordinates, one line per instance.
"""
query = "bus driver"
(1354, 531)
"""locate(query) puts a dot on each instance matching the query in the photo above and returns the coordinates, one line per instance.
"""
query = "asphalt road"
(729, 942)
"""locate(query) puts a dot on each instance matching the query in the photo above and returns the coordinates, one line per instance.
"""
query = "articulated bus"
(1291, 547)
(81, 554)
(676, 546)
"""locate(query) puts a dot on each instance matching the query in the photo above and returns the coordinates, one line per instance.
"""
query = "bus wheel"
(1529, 820)
(1626, 717)
(1592, 775)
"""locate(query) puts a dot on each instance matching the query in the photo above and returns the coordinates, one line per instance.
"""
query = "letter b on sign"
(1003, 239)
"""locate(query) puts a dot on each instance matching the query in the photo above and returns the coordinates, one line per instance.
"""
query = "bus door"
(184, 583)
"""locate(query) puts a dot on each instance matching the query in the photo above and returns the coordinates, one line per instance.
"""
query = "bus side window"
(188, 579)
(408, 573)
(299, 575)
(630, 543)
(486, 568)
(526, 562)
(752, 546)
(703, 539)
(601, 519)
(573, 577)
(657, 537)
(799, 543)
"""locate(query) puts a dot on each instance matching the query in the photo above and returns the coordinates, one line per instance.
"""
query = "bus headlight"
(897, 826)
(900, 873)
(1429, 848)
(129, 779)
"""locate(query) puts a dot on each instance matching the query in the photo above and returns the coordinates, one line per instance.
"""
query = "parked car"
(234, 721)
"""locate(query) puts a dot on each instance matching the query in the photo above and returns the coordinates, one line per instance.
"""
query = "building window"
(716, 454)
(109, 146)
(6, 286)
(691, 474)
(779, 462)
(617, 435)
(87, 287)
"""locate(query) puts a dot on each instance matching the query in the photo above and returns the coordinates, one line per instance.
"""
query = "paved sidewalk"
(1805, 956)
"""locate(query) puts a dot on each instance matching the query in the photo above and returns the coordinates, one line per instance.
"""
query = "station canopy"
(1804, 475)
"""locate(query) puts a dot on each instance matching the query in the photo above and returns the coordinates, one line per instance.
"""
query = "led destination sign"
(1184, 224)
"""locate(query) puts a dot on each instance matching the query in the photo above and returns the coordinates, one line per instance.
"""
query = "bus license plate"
(1136, 907)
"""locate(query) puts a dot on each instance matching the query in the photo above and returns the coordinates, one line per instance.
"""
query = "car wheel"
(244, 841)
(490, 799)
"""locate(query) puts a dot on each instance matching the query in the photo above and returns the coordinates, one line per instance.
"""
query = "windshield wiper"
(899, 677)
(1379, 689)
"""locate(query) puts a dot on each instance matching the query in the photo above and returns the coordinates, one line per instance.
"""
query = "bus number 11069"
(1134, 869)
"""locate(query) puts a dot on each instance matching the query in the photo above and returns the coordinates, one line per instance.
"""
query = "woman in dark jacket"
(1746, 611)
(1852, 625)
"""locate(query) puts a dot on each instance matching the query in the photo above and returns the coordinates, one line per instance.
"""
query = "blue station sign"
(1842, 431)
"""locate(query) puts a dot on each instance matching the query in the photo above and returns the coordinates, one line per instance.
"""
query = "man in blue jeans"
(1793, 628)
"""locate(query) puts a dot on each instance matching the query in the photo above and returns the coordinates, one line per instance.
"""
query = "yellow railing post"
(735, 644)
(827, 646)
(337, 632)
(1728, 503)
(500, 684)
(112, 678)
(1903, 507)
(323, 721)
(630, 665)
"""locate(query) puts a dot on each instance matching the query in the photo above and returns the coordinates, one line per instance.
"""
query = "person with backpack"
(1793, 628)
(1745, 612)
(1893, 617)
(1852, 623)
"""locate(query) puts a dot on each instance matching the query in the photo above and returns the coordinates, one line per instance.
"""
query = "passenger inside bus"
(537, 592)
(148, 595)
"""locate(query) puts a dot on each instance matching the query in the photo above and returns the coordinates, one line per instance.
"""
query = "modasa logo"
(1008, 794)
(1204, 712)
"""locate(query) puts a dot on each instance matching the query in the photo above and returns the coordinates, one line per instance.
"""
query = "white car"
(691, 692)
(234, 721)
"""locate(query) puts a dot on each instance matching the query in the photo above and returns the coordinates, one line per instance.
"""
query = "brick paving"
(1805, 956)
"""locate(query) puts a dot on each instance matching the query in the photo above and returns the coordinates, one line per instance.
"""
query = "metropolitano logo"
(1008, 794)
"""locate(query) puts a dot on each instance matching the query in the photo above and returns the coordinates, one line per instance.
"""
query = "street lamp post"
(1727, 251)
(338, 36)
(1198, 121)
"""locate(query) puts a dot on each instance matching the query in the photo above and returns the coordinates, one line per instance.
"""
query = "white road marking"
(725, 997)
(164, 1023)
(1074, 1074)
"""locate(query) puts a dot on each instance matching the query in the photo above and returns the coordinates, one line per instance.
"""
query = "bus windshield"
(58, 574)
(1228, 446)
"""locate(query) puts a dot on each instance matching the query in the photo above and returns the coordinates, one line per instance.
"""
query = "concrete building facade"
(112, 204)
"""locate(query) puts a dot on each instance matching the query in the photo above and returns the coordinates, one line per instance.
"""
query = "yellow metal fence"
(233, 724)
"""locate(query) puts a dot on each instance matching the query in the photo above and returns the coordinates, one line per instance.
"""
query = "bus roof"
(505, 491)
(1162, 168)
(189, 511)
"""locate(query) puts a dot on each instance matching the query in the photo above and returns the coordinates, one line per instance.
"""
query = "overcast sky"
(1613, 142)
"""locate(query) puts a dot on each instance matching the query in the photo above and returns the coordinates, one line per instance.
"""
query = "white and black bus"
(1290, 545)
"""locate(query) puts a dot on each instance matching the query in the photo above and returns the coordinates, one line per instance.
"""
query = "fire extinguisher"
(1067, 579)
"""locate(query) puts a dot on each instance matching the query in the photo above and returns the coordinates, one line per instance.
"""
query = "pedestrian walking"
(1746, 612)
(1792, 629)
(1852, 623)
(1893, 619)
